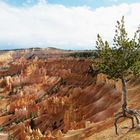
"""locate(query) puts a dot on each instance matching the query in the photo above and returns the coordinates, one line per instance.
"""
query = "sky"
(65, 24)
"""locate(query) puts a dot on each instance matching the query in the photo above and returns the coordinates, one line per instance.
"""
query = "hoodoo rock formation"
(55, 99)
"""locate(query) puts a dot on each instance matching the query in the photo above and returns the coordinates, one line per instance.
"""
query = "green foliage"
(122, 58)
(1, 128)
(88, 54)
(17, 121)
(1, 97)
(62, 81)
(33, 115)
(32, 124)
(10, 137)
(38, 100)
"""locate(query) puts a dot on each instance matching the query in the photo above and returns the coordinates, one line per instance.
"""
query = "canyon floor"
(46, 95)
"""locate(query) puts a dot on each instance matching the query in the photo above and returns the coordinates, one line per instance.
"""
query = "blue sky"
(91, 3)
(66, 24)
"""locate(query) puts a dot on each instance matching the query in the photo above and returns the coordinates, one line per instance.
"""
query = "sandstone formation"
(54, 99)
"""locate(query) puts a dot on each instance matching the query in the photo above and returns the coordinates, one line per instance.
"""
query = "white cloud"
(65, 27)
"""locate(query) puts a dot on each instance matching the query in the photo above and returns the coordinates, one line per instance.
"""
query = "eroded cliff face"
(55, 99)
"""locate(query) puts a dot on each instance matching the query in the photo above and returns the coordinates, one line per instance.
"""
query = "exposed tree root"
(126, 113)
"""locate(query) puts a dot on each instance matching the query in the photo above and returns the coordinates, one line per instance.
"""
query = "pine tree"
(118, 61)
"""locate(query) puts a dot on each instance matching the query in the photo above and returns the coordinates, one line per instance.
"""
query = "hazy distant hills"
(42, 53)
(33, 52)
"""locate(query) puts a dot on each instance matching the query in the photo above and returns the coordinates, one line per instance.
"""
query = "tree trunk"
(128, 113)
(124, 97)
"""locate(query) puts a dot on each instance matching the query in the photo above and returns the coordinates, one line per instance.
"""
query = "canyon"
(48, 96)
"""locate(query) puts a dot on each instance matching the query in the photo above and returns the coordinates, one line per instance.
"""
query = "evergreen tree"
(118, 61)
